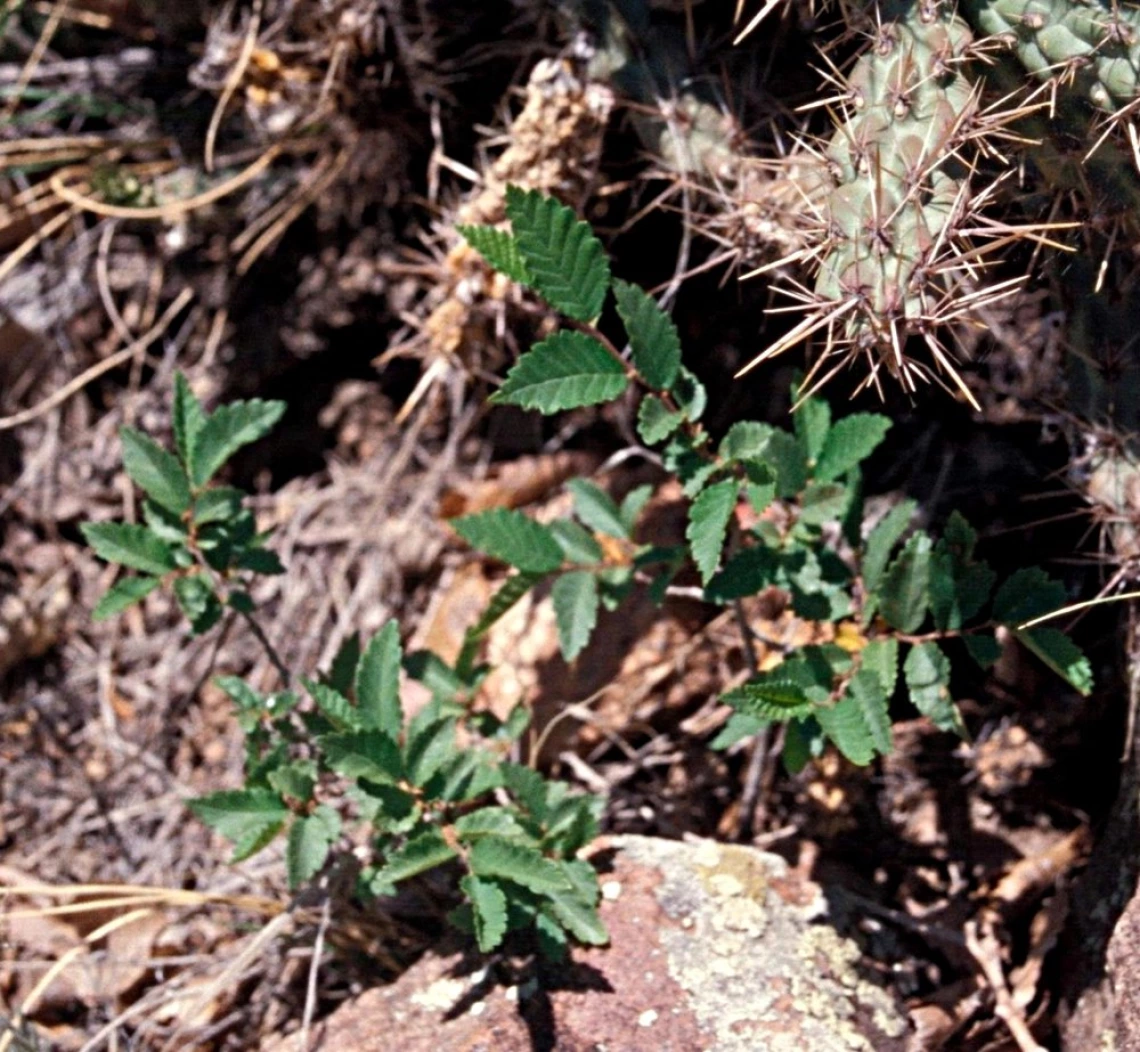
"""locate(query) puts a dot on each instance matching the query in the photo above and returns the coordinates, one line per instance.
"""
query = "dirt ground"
(263, 195)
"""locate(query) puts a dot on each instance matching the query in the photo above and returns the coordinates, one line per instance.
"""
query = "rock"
(714, 947)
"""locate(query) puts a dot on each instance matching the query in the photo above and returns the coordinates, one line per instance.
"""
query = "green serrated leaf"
(490, 821)
(748, 572)
(739, 727)
(849, 443)
(746, 440)
(904, 592)
(248, 817)
(334, 706)
(881, 542)
(155, 471)
(846, 725)
(499, 249)
(434, 673)
(575, 597)
(689, 394)
(579, 917)
(771, 698)
(567, 370)
(958, 590)
(823, 502)
(866, 689)
(564, 259)
(377, 683)
(428, 749)
(709, 517)
(124, 593)
(797, 747)
(656, 421)
(881, 656)
(259, 560)
(509, 860)
(225, 431)
(527, 786)
(363, 754)
(165, 524)
(1061, 654)
(512, 590)
(129, 545)
(927, 675)
(217, 504)
(786, 457)
(578, 544)
(489, 911)
(342, 673)
(188, 418)
(294, 780)
(653, 338)
(596, 508)
(422, 852)
(512, 537)
(1027, 594)
(632, 505)
(198, 601)
(308, 846)
(812, 420)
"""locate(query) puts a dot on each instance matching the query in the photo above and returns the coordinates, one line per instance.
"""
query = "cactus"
(895, 222)
(1088, 48)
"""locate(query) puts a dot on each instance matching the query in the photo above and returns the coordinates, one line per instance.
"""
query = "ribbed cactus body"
(1090, 47)
(896, 203)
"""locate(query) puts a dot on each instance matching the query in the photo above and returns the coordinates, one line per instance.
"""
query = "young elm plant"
(766, 505)
(433, 788)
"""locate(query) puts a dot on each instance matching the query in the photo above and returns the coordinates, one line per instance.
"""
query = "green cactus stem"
(1087, 48)
(893, 245)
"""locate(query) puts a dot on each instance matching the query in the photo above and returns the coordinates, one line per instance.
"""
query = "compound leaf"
(653, 338)
(565, 261)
